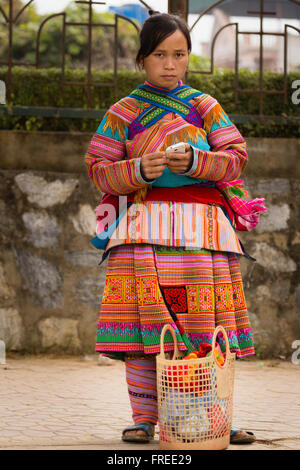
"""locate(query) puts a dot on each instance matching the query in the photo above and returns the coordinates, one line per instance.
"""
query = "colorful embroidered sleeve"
(228, 156)
(105, 157)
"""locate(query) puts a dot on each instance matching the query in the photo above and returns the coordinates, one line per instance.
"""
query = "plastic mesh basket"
(195, 398)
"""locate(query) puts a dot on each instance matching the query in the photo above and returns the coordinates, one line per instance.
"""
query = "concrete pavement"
(76, 403)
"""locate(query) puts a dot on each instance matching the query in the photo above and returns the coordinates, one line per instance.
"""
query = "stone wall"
(272, 283)
(50, 280)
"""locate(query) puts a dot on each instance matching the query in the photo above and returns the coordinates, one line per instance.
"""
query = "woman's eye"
(160, 54)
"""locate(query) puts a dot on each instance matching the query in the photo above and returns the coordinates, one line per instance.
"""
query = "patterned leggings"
(141, 382)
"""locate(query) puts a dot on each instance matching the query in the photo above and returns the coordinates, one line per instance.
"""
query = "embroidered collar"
(177, 100)
(163, 101)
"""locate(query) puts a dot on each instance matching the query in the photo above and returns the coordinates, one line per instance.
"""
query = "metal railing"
(260, 90)
(11, 20)
(90, 24)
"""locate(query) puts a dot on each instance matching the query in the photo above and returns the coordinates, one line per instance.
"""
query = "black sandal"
(147, 437)
(239, 436)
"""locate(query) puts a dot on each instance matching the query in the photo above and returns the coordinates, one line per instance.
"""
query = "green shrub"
(43, 88)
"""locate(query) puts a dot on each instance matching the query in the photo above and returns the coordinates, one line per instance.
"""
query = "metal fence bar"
(51, 112)
(99, 113)
(261, 91)
(10, 20)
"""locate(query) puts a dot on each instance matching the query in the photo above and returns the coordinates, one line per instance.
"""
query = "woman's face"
(167, 64)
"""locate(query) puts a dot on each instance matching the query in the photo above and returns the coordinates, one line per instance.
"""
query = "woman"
(173, 251)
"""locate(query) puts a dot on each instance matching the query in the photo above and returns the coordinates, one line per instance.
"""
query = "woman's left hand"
(180, 162)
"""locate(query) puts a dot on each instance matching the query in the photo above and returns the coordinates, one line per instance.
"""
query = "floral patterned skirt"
(148, 286)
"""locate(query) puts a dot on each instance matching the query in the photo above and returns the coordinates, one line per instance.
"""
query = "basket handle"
(169, 328)
(214, 339)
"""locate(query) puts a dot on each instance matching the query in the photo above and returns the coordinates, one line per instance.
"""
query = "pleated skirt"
(148, 286)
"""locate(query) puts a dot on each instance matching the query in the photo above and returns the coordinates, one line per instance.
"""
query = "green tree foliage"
(199, 62)
(26, 29)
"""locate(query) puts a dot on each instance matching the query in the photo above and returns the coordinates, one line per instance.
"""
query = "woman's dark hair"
(158, 27)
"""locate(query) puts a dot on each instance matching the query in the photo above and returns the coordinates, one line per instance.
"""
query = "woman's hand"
(153, 164)
(180, 162)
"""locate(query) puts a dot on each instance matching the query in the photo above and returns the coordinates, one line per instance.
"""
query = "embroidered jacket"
(150, 119)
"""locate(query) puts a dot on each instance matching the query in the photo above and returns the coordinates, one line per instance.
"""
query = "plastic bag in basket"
(181, 413)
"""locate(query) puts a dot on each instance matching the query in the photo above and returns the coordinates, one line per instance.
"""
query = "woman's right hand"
(153, 164)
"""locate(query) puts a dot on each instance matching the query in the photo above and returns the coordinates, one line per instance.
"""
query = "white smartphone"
(176, 148)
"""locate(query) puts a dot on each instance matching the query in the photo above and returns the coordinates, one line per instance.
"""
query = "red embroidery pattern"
(176, 298)
(130, 290)
(206, 298)
(113, 290)
(148, 290)
(219, 298)
(238, 296)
